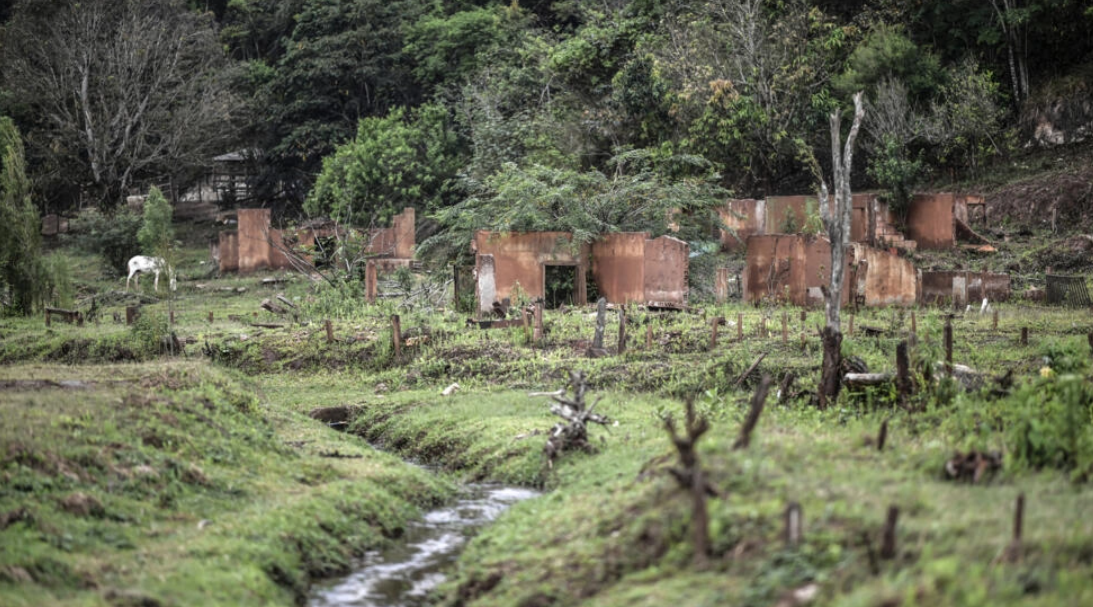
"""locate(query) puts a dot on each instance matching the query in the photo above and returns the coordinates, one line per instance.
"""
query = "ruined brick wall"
(665, 272)
(930, 221)
(253, 243)
(618, 266)
(793, 268)
(784, 211)
(519, 258)
(961, 288)
(884, 279)
(229, 251)
(745, 218)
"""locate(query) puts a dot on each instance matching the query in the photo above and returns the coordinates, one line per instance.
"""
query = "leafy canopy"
(404, 159)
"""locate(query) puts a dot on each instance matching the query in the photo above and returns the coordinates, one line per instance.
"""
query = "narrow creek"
(403, 574)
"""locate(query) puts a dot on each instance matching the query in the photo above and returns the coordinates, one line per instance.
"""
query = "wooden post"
(949, 346)
(370, 280)
(130, 314)
(622, 331)
(914, 324)
(601, 322)
(171, 316)
(210, 316)
(903, 372)
(994, 321)
(888, 537)
(525, 317)
(762, 326)
(713, 333)
(396, 335)
(1024, 336)
(48, 321)
(79, 319)
(1019, 519)
(785, 329)
(649, 335)
(794, 531)
(329, 331)
(804, 342)
(739, 326)
(538, 317)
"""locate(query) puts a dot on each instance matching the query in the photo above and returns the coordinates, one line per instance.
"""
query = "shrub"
(155, 234)
(113, 237)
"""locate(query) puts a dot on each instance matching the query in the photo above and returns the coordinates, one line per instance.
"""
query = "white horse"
(142, 264)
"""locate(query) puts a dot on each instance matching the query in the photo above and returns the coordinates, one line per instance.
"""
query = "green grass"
(177, 483)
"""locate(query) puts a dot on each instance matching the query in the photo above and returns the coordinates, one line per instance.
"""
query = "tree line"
(582, 115)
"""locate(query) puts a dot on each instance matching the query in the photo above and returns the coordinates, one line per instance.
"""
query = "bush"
(113, 237)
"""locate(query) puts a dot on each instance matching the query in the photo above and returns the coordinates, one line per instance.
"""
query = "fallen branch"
(757, 401)
(753, 366)
(864, 380)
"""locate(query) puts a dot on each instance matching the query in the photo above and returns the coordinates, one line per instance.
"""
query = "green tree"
(156, 233)
(887, 54)
(21, 268)
(407, 158)
(645, 190)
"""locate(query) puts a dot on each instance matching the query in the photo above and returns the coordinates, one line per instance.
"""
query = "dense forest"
(530, 114)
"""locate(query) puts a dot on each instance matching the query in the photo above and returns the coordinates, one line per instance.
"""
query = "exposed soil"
(1033, 202)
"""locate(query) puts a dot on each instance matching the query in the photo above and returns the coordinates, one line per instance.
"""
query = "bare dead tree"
(757, 401)
(835, 211)
(692, 478)
(572, 434)
(123, 91)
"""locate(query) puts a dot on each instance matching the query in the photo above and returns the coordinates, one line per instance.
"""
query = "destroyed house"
(625, 267)
(794, 269)
(254, 245)
(934, 221)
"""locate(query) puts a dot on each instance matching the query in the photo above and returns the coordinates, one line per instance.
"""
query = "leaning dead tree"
(572, 434)
(835, 210)
(691, 478)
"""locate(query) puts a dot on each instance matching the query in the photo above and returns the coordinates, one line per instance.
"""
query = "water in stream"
(403, 574)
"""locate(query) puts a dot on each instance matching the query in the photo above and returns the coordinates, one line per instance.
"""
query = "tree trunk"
(830, 378)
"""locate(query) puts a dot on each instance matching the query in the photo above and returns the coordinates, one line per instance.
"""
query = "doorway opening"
(560, 286)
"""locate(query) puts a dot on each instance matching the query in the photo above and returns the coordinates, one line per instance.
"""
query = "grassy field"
(133, 475)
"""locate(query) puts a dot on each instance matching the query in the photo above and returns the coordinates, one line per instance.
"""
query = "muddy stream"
(405, 572)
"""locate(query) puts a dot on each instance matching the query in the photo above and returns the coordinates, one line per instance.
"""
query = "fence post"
(994, 322)
(48, 320)
(713, 332)
(1024, 336)
(949, 346)
(622, 331)
(538, 333)
(396, 335)
(329, 331)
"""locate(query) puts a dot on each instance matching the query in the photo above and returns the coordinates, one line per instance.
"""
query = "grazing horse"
(142, 264)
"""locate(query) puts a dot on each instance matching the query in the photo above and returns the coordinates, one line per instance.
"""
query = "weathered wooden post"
(48, 320)
(370, 280)
(794, 532)
(622, 331)
(329, 331)
(538, 319)
(130, 314)
(903, 373)
(888, 536)
(210, 316)
(949, 346)
(525, 318)
(1024, 336)
(396, 335)
(994, 321)
(649, 335)
(171, 316)
(713, 333)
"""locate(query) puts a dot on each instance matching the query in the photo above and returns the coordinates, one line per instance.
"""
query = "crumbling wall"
(228, 250)
(519, 258)
(884, 279)
(930, 221)
(795, 268)
(253, 243)
(961, 288)
(665, 271)
(618, 266)
(745, 217)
